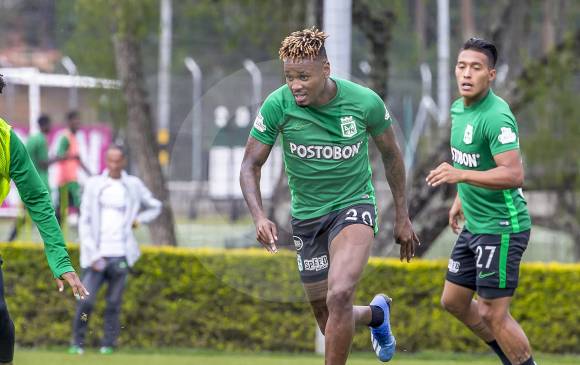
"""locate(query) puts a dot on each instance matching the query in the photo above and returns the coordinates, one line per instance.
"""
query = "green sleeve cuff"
(63, 270)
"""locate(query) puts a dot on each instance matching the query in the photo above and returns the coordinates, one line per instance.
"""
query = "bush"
(250, 300)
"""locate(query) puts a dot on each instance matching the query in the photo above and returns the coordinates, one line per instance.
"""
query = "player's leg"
(6, 327)
(460, 285)
(496, 283)
(92, 280)
(19, 222)
(457, 297)
(505, 329)
(458, 300)
(62, 204)
(311, 242)
(316, 295)
(116, 272)
(74, 190)
(349, 253)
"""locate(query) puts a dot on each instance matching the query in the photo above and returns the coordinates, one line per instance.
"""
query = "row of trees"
(538, 42)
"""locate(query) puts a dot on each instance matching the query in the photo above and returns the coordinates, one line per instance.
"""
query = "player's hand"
(267, 234)
(78, 289)
(444, 173)
(456, 214)
(406, 237)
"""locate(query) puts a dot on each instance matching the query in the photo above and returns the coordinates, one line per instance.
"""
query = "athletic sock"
(504, 360)
(529, 361)
(377, 316)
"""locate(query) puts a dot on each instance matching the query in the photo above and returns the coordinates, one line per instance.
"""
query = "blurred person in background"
(325, 124)
(487, 168)
(37, 147)
(112, 205)
(15, 165)
(70, 162)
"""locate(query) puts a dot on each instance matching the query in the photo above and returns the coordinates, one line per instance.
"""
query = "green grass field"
(191, 357)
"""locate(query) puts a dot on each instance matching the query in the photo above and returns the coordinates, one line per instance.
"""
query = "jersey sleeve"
(36, 199)
(378, 116)
(501, 131)
(265, 127)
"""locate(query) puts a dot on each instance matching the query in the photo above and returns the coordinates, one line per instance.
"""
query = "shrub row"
(251, 300)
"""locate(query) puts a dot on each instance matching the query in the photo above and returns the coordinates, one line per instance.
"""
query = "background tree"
(127, 23)
(383, 35)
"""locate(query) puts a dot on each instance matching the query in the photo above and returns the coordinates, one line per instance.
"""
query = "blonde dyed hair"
(303, 44)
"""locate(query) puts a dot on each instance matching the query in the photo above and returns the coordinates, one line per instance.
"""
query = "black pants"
(6, 326)
(115, 274)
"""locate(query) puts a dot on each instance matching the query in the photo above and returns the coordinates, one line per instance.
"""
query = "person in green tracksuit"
(487, 168)
(324, 125)
(15, 165)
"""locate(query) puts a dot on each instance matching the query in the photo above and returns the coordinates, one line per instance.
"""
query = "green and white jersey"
(478, 133)
(325, 147)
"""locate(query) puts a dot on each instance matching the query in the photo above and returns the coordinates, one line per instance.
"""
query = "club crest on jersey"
(298, 243)
(259, 123)
(468, 135)
(507, 136)
(348, 126)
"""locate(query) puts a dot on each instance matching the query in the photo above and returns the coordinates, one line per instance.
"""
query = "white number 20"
(352, 214)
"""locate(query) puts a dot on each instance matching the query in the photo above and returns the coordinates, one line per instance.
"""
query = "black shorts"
(312, 238)
(488, 263)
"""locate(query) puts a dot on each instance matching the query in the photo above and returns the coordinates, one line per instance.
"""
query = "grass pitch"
(192, 357)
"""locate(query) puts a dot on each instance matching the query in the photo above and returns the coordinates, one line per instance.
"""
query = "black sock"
(529, 361)
(377, 316)
(495, 347)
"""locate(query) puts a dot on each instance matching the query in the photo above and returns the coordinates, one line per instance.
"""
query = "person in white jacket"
(112, 204)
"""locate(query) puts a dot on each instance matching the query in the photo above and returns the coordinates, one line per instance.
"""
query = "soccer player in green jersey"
(37, 147)
(488, 171)
(324, 125)
(15, 165)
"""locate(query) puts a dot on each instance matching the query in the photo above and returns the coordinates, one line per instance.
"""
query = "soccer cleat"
(106, 350)
(382, 339)
(76, 350)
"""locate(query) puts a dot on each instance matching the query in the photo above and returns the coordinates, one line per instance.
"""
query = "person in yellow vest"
(69, 164)
(15, 165)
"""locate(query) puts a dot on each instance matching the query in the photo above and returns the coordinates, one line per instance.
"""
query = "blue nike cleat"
(382, 339)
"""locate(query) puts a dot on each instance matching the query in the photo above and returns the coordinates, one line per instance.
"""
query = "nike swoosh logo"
(483, 276)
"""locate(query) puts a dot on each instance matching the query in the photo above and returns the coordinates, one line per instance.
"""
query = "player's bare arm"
(508, 174)
(395, 173)
(255, 156)
(455, 214)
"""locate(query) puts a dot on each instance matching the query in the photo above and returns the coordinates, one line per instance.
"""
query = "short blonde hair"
(303, 44)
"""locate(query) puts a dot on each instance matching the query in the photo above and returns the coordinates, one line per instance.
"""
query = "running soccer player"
(325, 123)
(15, 165)
(488, 170)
